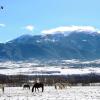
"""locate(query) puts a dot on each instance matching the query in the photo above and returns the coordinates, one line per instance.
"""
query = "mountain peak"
(21, 38)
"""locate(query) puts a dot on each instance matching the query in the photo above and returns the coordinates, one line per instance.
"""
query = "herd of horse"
(35, 87)
(38, 85)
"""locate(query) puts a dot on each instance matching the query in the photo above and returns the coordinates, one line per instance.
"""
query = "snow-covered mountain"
(60, 45)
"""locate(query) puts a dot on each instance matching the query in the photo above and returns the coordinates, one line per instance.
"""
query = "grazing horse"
(26, 86)
(59, 85)
(62, 85)
(38, 85)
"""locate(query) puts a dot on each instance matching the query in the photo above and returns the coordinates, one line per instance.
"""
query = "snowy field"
(26, 68)
(50, 93)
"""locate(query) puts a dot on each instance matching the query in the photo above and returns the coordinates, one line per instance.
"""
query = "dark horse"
(38, 85)
(26, 86)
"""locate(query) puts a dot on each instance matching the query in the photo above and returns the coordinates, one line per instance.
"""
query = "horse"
(37, 86)
(2, 87)
(59, 85)
(26, 86)
(62, 85)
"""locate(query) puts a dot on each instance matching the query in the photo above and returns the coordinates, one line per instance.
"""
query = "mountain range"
(66, 45)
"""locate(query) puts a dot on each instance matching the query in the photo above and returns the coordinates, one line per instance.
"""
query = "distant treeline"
(49, 79)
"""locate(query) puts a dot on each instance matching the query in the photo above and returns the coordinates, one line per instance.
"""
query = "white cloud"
(70, 28)
(29, 27)
(2, 25)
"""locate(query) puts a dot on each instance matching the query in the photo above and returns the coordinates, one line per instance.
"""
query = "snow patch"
(69, 29)
(50, 93)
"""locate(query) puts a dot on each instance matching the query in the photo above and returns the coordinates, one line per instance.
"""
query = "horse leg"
(55, 86)
(42, 89)
(32, 89)
(38, 89)
(35, 89)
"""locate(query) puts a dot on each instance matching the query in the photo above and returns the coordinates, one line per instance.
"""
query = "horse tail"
(3, 89)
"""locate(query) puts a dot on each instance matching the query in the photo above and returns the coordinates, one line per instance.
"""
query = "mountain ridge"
(75, 45)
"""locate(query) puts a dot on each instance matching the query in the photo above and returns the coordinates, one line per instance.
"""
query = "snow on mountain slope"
(69, 29)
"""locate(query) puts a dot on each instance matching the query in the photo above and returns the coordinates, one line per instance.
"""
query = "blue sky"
(33, 16)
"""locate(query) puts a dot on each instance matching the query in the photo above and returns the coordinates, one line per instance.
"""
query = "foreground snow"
(73, 93)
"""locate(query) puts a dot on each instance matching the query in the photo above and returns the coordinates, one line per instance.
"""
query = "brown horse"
(62, 85)
(37, 86)
(26, 86)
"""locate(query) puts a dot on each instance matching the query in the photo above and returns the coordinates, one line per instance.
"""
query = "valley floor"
(50, 93)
